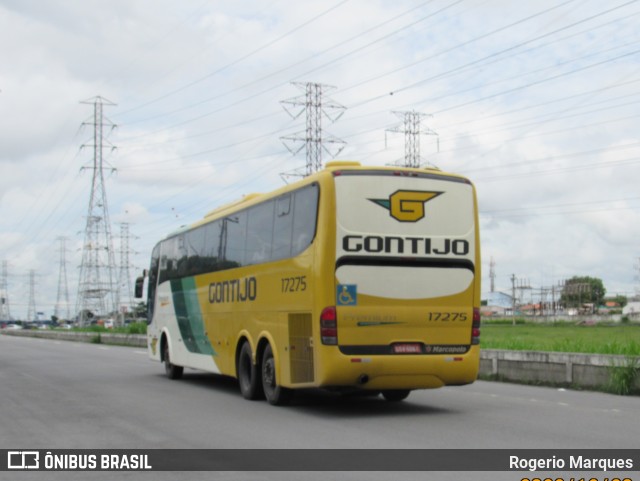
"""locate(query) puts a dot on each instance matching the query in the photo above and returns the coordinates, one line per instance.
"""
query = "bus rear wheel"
(248, 374)
(275, 394)
(396, 395)
(172, 371)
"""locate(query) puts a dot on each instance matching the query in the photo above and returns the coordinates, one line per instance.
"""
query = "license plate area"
(407, 348)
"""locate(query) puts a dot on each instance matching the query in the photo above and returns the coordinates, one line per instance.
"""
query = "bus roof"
(333, 167)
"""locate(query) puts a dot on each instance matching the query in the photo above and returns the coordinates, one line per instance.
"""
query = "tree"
(84, 316)
(140, 310)
(619, 299)
(580, 290)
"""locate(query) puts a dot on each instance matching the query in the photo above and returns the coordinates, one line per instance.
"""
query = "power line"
(556, 206)
(512, 47)
(240, 59)
(538, 82)
(458, 46)
(299, 62)
(502, 92)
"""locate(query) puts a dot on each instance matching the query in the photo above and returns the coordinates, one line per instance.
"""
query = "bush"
(137, 328)
(623, 377)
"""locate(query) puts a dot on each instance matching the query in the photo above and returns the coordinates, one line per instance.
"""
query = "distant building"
(631, 309)
(496, 303)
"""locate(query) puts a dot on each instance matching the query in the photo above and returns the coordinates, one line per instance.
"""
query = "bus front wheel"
(172, 371)
(275, 394)
(248, 375)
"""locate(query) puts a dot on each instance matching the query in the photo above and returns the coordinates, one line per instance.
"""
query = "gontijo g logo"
(406, 205)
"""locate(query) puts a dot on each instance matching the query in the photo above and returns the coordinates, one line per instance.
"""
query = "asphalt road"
(64, 395)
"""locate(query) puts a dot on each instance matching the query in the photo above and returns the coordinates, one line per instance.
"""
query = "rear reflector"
(475, 326)
(329, 326)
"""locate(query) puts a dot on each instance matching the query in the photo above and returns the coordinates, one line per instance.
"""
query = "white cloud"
(198, 86)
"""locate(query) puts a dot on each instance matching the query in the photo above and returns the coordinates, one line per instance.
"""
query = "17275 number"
(294, 284)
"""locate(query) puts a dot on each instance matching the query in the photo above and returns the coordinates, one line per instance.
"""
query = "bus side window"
(168, 260)
(195, 244)
(282, 228)
(260, 233)
(305, 212)
(153, 280)
(235, 239)
(181, 257)
(211, 251)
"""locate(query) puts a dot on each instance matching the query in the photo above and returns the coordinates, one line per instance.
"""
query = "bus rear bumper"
(402, 371)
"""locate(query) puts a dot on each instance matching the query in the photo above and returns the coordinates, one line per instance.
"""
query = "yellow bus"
(354, 278)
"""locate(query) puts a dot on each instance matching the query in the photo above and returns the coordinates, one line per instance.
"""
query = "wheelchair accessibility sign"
(347, 295)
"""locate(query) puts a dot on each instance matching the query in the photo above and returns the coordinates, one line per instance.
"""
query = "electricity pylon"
(412, 128)
(61, 310)
(31, 309)
(125, 287)
(96, 289)
(315, 105)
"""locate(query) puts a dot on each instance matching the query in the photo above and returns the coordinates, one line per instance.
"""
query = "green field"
(562, 337)
(559, 337)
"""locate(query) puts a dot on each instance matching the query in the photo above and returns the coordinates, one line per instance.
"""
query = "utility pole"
(96, 290)
(31, 310)
(61, 310)
(517, 284)
(557, 304)
(125, 288)
(513, 299)
(412, 128)
(492, 274)
(5, 312)
(315, 104)
(637, 293)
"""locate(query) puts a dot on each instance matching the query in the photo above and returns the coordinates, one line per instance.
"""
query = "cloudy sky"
(537, 102)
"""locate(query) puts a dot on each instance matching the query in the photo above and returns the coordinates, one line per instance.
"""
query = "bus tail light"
(475, 326)
(329, 326)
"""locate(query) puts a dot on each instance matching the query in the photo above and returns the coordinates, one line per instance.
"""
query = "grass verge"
(563, 337)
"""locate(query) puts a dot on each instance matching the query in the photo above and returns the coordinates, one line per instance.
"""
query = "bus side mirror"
(140, 285)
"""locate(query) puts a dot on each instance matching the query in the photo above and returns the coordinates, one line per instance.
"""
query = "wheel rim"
(269, 374)
(245, 372)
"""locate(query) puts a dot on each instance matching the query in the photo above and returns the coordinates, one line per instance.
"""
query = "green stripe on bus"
(189, 316)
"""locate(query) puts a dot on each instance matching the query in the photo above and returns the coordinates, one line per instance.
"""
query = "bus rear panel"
(406, 282)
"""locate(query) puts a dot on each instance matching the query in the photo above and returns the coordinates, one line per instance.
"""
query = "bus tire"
(248, 374)
(172, 371)
(396, 395)
(275, 394)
